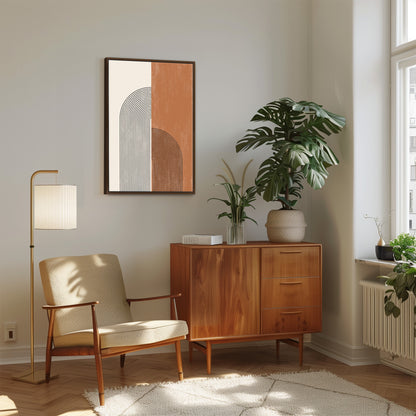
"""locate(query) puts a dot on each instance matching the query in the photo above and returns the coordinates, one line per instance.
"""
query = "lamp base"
(35, 377)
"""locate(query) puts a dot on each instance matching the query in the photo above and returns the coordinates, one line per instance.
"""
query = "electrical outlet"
(10, 331)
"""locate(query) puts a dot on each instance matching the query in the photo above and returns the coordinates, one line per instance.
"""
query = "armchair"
(72, 285)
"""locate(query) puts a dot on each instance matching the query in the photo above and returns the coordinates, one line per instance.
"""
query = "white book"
(202, 239)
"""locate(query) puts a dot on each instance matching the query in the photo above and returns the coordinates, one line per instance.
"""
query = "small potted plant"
(238, 200)
(383, 251)
(402, 281)
(295, 133)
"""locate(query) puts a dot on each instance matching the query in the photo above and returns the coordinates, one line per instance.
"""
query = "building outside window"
(403, 60)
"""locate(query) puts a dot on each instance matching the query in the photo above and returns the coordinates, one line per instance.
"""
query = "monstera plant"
(296, 134)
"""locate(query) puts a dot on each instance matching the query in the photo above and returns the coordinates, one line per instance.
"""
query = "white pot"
(285, 226)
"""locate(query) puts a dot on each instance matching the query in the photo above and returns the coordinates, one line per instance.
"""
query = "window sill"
(377, 262)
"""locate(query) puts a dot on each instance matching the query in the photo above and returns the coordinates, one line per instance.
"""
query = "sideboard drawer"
(290, 262)
(291, 292)
(286, 320)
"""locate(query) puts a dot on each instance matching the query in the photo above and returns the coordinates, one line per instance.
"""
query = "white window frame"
(399, 32)
(403, 56)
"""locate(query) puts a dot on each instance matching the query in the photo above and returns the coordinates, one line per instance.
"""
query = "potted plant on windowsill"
(383, 251)
(295, 132)
(402, 281)
(238, 200)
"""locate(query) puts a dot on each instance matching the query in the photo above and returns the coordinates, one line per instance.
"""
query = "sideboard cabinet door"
(225, 298)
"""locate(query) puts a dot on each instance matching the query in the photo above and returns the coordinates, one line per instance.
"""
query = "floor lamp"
(52, 207)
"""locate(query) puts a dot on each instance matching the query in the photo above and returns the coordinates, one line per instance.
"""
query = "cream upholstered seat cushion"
(126, 334)
(98, 277)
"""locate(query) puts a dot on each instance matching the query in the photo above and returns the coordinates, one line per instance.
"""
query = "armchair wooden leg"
(179, 359)
(122, 360)
(100, 378)
(97, 354)
(48, 365)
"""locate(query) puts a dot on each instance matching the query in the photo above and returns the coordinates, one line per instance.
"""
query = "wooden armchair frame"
(99, 352)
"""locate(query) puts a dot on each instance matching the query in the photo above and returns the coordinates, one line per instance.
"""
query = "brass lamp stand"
(55, 209)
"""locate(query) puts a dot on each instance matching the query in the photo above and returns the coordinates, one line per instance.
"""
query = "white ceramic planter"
(285, 226)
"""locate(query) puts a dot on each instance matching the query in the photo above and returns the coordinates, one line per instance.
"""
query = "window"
(403, 60)
(404, 15)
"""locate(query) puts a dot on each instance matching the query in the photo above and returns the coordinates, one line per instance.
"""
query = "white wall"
(51, 117)
(372, 169)
(350, 75)
(371, 123)
(331, 85)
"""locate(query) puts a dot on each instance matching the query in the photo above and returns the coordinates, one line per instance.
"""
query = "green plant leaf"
(238, 198)
(396, 312)
(255, 138)
(296, 155)
(391, 308)
(314, 177)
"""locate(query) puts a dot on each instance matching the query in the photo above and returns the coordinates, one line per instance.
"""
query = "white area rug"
(304, 394)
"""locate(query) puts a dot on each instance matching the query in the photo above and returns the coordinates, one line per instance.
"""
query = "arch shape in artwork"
(135, 142)
(167, 163)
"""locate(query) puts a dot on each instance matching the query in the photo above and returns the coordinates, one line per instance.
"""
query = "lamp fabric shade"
(55, 207)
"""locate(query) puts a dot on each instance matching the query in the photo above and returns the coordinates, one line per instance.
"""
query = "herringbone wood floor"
(63, 396)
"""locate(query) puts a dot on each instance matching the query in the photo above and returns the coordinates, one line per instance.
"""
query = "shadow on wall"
(327, 233)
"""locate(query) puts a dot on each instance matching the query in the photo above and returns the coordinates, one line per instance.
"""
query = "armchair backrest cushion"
(78, 279)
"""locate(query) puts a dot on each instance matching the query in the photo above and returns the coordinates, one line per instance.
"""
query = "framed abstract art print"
(149, 126)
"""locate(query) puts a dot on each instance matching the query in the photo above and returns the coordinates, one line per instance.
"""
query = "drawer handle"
(291, 313)
(291, 252)
(290, 283)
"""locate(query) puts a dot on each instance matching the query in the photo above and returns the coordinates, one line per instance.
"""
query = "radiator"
(389, 334)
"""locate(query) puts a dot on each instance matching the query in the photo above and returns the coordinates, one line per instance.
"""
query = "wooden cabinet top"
(249, 244)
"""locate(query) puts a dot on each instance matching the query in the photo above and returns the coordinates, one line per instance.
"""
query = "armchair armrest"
(154, 298)
(51, 310)
(52, 307)
(174, 311)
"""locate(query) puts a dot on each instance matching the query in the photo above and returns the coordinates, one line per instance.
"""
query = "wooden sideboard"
(256, 291)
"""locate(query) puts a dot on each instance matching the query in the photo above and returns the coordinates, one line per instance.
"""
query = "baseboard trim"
(347, 354)
(402, 364)
(20, 355)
